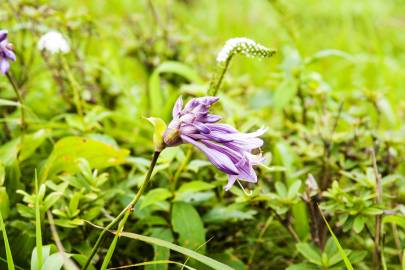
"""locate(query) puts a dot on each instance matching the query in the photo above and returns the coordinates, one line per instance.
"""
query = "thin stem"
(125, 212)
(20, 100)
(217, 80)
(74, 85)
(181, 167)
(378, 224)
(68, 263)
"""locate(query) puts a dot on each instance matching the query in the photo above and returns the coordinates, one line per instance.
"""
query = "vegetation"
(96, 173)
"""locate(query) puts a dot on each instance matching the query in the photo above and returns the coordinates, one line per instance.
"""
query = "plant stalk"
(20, 100)
(124, 213)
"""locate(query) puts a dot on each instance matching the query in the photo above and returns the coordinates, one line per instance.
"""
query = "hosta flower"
(228, 149)
(54, 42)
(243, 46)
(6, 52)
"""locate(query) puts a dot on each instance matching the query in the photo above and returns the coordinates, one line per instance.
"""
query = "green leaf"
(38, 232)
(53, 262)
(187, 223)
(341, 250)
(233, 212)
(303, 266)
(5, 102)
(154, 196)
(399, 220)
(186, 252)
(358, 224)
(194, 186)
(68, 150)
(2, 173)
(9, 257)
(310, 253)
(4, 202)
(284, 93)
(160, 253)
(293, 189)
(31, 143)
(46, 250)
(160, 127)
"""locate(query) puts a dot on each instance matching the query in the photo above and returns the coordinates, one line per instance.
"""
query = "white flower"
(54, 42)
(243, 46)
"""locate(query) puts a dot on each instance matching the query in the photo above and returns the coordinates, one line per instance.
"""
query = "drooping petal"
(4, 65)
(9, 54)
(246, 171)
(231, 181)
(219, 159)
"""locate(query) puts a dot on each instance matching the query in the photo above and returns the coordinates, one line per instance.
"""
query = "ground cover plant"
(198, 134)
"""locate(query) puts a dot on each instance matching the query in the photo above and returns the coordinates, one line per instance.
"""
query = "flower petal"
(231, 181)
(178, 106)
(4, 66)
(219, 159)
(3, 35)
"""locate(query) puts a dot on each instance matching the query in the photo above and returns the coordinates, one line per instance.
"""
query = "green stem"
(20, 100)
(181, 167)
(218, 77)
(124, 213)
(75, 87)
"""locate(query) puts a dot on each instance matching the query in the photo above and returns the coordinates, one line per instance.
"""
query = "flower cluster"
(227, 148)
(6, 52)
(243, 46)
(54, 42)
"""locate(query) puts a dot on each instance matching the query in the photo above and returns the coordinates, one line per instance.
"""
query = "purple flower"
(6, 52)
(228, 149)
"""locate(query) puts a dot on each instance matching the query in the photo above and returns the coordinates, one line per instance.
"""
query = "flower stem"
(216, 81)
(123, 215)
(75, 87)
(20, 100)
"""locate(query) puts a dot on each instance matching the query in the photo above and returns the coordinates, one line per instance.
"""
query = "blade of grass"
(9, 257)
(190, 253)
(151, 263)
(38, 232)
(341, 251)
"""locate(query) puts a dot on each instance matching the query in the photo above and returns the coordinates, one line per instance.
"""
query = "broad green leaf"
(195, 186)
(68, 150)
(154, 196)
(358, 224)
(187, 223)
(186, 252)
(160, 253)
(233, 212)
(46, 250)
(310, 253)
(53, 262)
(160, 127)
(31, 142)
